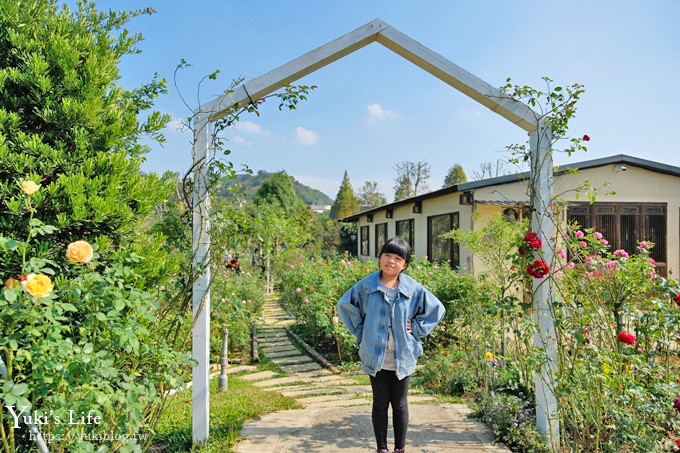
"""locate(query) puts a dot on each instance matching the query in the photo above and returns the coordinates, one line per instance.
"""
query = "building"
(643, 204)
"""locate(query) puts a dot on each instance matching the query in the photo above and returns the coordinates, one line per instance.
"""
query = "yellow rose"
(12, 283)
(488, 356)
(79, 252)
(37, 285)
(29, 187)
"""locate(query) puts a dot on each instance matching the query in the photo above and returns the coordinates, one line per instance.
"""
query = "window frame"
(454, 247)
(411, 223)
(364, 241)
(606, 217)
(378, 244)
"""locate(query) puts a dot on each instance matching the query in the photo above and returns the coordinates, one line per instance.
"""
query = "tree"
(279, 189)
(67, 125)
(411, 180)
(490, 170)
(456, 175)
(346, 202)
(369, 196)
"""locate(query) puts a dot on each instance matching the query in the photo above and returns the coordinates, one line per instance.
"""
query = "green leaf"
(10, 295)
(11, 244)
(100, 316)
(69, 307)
(19, 389)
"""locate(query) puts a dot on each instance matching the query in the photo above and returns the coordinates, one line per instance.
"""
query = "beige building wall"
(635, 184)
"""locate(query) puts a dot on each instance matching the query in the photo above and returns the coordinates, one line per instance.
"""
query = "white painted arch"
(443, 69)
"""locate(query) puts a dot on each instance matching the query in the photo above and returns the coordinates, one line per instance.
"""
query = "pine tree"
(346, 202)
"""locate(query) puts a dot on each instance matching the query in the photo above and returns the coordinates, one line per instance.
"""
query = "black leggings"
(387, 389)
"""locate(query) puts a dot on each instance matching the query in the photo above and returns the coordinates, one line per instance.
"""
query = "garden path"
(336, 410)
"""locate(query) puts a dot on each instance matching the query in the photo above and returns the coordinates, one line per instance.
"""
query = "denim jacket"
(366, 311)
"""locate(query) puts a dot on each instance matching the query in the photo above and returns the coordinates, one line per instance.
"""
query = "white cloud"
(176, 124)
(250, 128)
(305, 137)
(240, 140)
(377, 113)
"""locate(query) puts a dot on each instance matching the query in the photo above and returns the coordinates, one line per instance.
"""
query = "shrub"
(512, 421)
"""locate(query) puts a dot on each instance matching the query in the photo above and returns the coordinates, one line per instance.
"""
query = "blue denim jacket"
(366, 312)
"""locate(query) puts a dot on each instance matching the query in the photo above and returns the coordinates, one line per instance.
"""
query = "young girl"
(389, 312)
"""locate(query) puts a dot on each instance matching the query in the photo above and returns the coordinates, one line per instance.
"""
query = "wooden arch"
(443, 69)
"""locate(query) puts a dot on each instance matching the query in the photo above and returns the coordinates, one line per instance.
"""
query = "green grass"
(228, 411)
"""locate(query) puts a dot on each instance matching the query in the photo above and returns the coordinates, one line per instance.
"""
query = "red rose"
(535, 244)
(538, 269)
(627, 338)
(520, 250)
(586, 138)
(677, 299)
(531, 236)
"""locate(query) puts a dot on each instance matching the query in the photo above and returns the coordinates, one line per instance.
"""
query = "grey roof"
(507, 179)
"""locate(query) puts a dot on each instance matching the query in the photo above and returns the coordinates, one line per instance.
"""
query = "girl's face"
(392, 264)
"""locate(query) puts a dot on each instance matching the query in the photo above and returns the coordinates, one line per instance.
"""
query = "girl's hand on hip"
(408, 326)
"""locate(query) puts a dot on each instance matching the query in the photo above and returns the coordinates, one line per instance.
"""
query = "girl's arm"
(429, 312)
(350, 311)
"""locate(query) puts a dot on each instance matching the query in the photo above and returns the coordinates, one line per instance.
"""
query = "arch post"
(545, 340)
(200, 344)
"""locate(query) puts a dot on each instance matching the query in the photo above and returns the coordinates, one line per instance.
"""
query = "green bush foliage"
(89, 345)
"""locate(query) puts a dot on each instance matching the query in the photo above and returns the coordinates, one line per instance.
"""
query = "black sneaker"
(399, 450)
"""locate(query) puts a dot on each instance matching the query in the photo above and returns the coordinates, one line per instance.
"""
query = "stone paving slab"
(338, 403)
(240, 368)
(260, 375)
(433, 428)
(275, 341)
(300, 367)
(278, 381)
(275, 349)
(292, 359)
(309, 391)
(286, 353)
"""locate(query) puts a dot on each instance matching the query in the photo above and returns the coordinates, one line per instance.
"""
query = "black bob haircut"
(398, 246)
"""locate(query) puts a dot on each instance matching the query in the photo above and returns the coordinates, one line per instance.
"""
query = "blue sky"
(373, 109)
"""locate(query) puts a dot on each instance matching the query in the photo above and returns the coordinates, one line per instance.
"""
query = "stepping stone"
(337, 403)
(279, 348)
(300, 367)
(260, 375)
(287, 353)
(240, 368)
(292, 359)
(306, 392)
(277, 381)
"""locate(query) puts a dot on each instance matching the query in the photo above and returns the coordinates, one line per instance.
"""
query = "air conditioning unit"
(466, 198)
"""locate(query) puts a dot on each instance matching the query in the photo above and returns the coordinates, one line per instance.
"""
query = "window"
(364, 241)
(439, 249)
(626, 224)
(380, 237)
(405, 230)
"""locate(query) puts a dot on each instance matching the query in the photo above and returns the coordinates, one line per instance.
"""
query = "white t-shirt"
(390, 363)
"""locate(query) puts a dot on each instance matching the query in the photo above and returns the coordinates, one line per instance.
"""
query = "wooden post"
(223, 381)
(542, 222)
(200, 346)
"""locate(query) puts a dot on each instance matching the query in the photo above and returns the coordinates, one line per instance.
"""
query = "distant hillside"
(251, 184)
